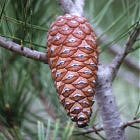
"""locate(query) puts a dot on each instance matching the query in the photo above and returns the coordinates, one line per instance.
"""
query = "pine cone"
(73, 59)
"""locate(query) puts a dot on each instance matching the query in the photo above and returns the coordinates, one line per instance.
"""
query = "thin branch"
(130, 123)
(97, 132)
(24, 51)
(130, 62)
(136, 127)
(115, 49)
(118, 60)
(93, 130)
(98, 129)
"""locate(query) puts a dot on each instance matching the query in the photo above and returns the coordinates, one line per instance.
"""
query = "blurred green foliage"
(23, 114)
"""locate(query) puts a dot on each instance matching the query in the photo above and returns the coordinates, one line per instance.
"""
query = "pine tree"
(29, 105)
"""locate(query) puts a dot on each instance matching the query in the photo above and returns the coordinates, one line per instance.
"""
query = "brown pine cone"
(73, 59)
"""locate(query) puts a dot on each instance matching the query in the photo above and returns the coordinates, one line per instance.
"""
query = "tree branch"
(118, 60)
(24, 51)
(66, 6)
(92, 130)
(115, 49)
(96, 129)
(130, 123)
(107, 105)
(104, 96)
(130, 62)
(72, 8)
(80, 6)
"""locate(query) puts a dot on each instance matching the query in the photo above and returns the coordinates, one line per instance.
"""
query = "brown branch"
(130, 123)
(93, 130)
(118, 60)
(24, 51)
(98, 129)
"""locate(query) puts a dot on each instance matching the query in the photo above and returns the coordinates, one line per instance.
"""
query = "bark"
(24, 51)
(107, 106)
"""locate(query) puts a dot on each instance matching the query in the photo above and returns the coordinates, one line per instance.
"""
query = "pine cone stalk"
(73, 59)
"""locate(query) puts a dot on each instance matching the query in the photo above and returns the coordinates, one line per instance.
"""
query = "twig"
(130, 123)
(130, 62)
(115, 49)
(93, 130)
(98, 129)
(137, 127)
(117, 61)
(24, 51)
